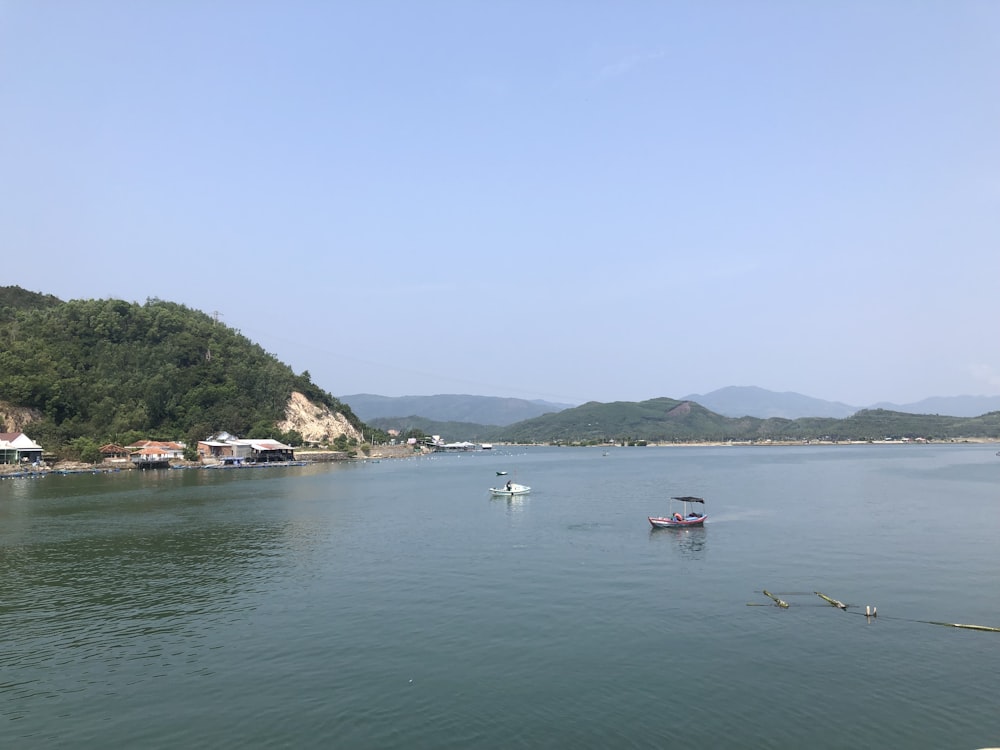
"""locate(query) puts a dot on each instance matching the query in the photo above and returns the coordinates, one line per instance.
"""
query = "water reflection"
(513, 502)
(690, 542)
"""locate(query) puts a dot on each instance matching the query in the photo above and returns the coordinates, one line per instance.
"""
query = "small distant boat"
(501, 473)
(510, 489)
(686, 517)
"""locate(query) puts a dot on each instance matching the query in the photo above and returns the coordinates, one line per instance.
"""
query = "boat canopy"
(688, 499)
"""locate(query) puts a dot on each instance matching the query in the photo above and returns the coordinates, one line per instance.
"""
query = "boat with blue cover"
(682, 514)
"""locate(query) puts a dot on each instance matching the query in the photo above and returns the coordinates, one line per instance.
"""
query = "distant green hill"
(668, 420)
(665, 420)
(659, 419)
(110, 370)
(450, 431)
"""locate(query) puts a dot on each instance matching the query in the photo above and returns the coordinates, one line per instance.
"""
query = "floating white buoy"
(868, 610)
(874, 611)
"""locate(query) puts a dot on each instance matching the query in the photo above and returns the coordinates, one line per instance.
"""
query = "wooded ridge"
(115, 371)
(665, 420)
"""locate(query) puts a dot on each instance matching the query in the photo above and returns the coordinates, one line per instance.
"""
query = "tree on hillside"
(100, 368)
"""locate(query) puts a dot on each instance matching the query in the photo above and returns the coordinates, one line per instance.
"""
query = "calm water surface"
(395, 604)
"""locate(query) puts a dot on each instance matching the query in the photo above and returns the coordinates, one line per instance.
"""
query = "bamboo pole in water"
(780, 602)
(831, 602)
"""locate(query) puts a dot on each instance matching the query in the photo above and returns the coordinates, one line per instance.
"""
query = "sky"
(563, 200)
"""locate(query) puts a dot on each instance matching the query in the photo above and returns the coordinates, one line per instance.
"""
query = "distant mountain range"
(952, 406)
(750, 401)
(483, 410)
(732, 401)
(666, 420)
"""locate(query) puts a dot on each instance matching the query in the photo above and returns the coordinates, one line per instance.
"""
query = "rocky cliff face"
(16, 418)
(316, 423)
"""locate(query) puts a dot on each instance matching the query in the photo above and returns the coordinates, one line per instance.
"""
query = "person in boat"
(678, 517)
(508, 485)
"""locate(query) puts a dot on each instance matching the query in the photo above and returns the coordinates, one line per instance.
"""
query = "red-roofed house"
(166, 447)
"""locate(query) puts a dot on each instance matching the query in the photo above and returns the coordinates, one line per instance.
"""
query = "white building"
(17, 448)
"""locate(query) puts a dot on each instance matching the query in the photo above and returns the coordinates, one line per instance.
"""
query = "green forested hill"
(665, 420)
(112, 370)
(451, 431)
(659, 419)
(14, 299)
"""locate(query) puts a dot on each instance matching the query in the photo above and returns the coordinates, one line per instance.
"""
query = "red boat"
(685, 518)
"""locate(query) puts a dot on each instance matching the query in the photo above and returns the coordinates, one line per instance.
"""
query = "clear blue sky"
(562, 200)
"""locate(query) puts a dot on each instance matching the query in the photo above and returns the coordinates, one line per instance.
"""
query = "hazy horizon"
(547, 201)
(679, 398)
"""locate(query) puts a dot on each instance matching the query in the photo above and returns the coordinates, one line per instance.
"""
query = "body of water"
(395, 604)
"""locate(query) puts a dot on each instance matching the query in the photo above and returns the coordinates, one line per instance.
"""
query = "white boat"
(510, 489)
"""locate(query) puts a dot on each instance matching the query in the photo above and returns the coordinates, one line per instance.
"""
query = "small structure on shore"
(18, 448)
(436, 444)
(150, 457)
(228, 449)
(113, 451)
(168, 448)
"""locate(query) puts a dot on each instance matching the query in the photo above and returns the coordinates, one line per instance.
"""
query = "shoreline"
(11, 471)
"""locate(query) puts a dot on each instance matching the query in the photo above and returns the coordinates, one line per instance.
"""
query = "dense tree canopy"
(665, 420)
(105, 369)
